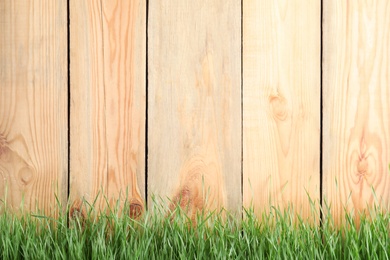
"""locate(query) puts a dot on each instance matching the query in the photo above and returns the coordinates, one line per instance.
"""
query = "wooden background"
(213, 105)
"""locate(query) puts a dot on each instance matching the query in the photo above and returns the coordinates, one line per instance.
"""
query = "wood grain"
(356, 105)
(108, 55)
(194, 117)
(281, 104)
(33, 104)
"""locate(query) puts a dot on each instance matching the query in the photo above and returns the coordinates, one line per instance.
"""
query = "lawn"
(156, 236)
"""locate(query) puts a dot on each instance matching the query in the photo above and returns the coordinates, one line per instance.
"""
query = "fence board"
(281, 104)
(194, 103)
(356, 105)
(108, 45)
(33, 104)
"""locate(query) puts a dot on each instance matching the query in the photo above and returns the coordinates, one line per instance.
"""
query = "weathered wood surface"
(194, 121)
(108, 56)
(33, 104)
(356, 112)
(281, 104)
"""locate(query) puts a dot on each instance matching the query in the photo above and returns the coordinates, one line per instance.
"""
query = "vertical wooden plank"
(33, 104)
(281, 104)
(194, 103)
(108, 55)
(356, 102)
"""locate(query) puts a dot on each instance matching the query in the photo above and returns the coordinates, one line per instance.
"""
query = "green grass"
(274, 236)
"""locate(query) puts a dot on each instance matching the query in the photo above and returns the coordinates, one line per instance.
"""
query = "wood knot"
(189, 199)
(182, 199)
(362, 166)
(185, 193)
(78, 213)
(26, 176)
(135, 210)
(279, 107)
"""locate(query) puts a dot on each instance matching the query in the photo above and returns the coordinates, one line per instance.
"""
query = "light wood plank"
(194, 117)
(33, 104)
(281, 104)
(356, 105)
(108, 55)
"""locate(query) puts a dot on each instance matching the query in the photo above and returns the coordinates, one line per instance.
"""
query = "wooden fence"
(247, 103)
